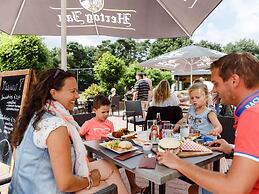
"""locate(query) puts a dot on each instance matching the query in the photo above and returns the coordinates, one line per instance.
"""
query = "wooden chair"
(134, 113)
(228, 132)
(168, 113)
(115, 104)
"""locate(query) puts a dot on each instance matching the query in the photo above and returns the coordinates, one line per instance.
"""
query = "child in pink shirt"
(99, 126)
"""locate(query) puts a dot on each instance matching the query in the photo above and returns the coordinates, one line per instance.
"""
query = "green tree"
(81, 61)
(165, 45)
(109, 70)
(55, 55)
(156, 75)
(129, 78)
(22, 52)
(210, 45)
(128, 50)
(243, 45)
(81, 57)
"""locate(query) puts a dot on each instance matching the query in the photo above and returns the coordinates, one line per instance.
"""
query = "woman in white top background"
(163, 97)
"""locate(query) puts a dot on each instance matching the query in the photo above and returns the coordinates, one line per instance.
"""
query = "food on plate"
(196, 134)
(114, 144)
(171, 144)
(125, 145)
(118, 145)
(139, 141)
(124, 133)
(117, 134)
(191, 146)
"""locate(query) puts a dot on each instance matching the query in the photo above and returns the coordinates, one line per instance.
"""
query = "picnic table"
(161, 174)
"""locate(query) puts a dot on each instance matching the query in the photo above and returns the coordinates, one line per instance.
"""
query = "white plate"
(119, 151)
(140, 142)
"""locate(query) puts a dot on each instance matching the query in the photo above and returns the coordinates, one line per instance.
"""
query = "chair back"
(133, 108)
(111, 189)
(168, 113)
(81, 118)
(115, 101)
(5, 151)
(115, 104)
(228, 132)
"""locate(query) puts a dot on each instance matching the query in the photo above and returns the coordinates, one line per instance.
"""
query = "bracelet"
(89, 183)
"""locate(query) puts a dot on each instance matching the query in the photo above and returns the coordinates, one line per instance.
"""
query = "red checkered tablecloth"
(189, 145)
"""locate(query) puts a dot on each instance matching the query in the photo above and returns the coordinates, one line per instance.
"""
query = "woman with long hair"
(50, 155)
(162, 95)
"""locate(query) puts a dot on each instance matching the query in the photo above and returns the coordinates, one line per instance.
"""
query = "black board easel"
(14, 91)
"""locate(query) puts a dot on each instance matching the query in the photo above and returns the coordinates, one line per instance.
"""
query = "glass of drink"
(147, 146)
(184, 132)
(167, 130)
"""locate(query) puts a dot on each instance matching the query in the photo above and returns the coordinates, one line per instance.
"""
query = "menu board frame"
(29, 79)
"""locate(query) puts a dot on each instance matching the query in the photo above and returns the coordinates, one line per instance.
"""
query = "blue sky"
(231, 21)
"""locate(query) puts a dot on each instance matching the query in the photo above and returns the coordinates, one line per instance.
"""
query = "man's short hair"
(140, 74)
(100, 100)
(244, 65)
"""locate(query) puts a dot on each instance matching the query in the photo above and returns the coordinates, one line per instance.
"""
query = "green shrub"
(92, 91)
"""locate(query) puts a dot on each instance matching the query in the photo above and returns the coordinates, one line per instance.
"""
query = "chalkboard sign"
(14, 90)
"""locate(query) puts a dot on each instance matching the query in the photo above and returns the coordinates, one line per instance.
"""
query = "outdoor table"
(161, 174)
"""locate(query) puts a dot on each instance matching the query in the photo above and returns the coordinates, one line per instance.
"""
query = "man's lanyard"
(246, 103)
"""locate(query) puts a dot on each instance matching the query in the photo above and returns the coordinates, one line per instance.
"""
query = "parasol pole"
(191, 75)
(63, 35)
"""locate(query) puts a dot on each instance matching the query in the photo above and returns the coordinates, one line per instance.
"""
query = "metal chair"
(134, 113)
(111, 189)
(228, 132)
(115, 104)
(168, 113)
(81, 118)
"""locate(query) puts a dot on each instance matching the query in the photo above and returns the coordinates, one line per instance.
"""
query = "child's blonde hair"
(162, 91)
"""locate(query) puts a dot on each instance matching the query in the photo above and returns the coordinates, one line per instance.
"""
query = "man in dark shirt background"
(141, 88)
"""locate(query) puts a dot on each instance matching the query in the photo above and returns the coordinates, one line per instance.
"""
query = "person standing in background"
(140, 91)
(141, 88)
(149, 81)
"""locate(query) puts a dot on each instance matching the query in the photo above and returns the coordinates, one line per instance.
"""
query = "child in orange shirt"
(100, 126)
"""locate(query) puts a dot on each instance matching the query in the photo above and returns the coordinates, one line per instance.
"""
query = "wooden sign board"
(14, 92)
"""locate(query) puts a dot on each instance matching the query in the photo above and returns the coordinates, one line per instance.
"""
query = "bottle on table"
(159, 124)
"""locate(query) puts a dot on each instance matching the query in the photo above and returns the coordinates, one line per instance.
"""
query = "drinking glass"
(167, 130)
(184, 132)
(147, 146)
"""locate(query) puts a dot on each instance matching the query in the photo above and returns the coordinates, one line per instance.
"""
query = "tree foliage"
(81, 57)
(109, 70)
(165, 45)
(243, 45)
(92, 91)
(210, 45)
(23, 52)
(128, 50)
